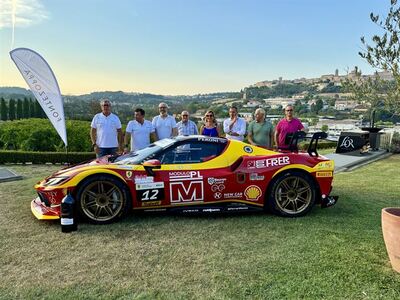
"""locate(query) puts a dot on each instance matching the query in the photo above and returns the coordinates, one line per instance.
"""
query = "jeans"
(106, 151)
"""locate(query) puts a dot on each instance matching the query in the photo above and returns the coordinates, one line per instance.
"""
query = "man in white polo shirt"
(234, 127)
(138, 131)
(164, 124)
(106, 133)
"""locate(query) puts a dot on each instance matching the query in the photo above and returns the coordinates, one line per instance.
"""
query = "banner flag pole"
(43, 84)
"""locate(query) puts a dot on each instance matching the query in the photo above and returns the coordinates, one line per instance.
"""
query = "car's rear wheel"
(292, 194)
(102, 199)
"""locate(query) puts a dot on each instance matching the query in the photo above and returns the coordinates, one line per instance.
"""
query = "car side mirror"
(151, 165)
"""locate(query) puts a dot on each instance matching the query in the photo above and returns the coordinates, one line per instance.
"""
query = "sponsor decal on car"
(183, 175)
(252, 193)
(256, 177)
(155, 209)
(211, 139)
(211, 209)
(151, 203)
(325, 165)
(149, 186)
(325, 174)
(268, 162)
(217, 184)
(238, 208)
(186, 186)
(213, 180)
(233, 195)
(217, 195)
(143, 179)
(128, 174)
(251, 164)
(150, 191)
(195, 210)
(217, 187)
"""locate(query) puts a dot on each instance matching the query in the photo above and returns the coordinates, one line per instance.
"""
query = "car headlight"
(55, 181)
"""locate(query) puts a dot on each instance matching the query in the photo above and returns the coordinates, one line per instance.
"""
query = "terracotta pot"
(391, 234)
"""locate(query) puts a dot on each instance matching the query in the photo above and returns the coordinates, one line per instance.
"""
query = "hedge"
(44, 157)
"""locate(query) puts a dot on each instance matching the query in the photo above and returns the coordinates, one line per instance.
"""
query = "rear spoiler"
(301, 135)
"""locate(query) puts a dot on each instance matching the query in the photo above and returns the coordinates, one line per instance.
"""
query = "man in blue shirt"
(186, 126)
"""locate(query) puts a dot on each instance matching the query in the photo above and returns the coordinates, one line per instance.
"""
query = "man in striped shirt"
(186, 126)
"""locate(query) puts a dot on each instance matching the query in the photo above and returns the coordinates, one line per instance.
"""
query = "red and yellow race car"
(191, 174)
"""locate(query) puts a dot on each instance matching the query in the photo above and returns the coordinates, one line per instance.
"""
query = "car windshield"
(137, 157)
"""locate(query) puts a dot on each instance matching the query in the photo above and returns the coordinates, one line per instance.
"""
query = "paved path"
(346, 162)
(7, 175)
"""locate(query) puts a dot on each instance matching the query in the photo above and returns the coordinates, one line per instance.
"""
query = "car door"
(187, 178)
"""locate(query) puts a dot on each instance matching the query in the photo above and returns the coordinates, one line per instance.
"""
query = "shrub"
(40, 135)
(395, 145)
(44, 157)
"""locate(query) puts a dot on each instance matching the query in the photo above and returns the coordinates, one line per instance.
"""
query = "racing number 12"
(154, 193)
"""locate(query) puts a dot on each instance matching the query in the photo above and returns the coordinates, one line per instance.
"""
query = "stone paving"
(7, 175)
(348, 162)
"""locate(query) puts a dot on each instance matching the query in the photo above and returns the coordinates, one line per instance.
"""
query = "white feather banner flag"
(43, 84)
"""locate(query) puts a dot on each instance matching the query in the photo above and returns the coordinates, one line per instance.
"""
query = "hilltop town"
(325, 80)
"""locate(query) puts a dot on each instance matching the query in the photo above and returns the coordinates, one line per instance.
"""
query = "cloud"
(28, 12)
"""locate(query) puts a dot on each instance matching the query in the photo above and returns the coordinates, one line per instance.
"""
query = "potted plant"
(391, 234)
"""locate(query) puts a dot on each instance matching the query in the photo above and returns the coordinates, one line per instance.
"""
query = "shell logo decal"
(252, 193)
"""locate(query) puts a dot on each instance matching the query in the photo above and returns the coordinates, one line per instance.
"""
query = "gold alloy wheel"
(102, 201)
(293, 195)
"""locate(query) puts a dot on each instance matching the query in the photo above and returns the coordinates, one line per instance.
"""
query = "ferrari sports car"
(191, 174)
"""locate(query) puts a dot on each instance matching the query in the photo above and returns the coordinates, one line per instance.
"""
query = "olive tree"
(383, 53)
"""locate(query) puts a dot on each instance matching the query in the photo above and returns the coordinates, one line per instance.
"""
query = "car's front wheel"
(102, 199)
(292, 194)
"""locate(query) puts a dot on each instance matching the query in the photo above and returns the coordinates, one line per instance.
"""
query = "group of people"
(107, 136)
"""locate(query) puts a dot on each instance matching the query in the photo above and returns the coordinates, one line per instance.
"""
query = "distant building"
(335, 127)
(277, 102)
(361, 108)
(252, 104)
(345, 105)
(335, 78)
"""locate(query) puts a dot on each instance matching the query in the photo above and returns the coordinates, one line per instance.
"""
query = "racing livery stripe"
(201, 204)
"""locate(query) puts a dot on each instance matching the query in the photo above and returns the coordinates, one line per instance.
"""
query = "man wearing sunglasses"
(105, 132)
(186, 126)
(287, 125)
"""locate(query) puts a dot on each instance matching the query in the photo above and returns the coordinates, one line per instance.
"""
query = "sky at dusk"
(177, 47)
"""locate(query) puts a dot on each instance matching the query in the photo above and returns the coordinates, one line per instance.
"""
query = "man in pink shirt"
(289, 124)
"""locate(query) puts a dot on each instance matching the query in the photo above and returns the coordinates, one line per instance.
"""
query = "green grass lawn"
(334, 253)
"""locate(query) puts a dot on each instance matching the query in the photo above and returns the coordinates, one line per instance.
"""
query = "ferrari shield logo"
(129, 174)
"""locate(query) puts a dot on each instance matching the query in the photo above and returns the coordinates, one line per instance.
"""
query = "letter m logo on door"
(186, 191)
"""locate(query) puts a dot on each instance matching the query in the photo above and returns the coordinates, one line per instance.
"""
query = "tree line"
(17, 109)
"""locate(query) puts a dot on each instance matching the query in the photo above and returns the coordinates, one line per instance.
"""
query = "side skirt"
(210, 208)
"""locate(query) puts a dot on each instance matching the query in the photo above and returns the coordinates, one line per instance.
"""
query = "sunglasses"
(185, 115)
(209, 116)
(106, 105)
